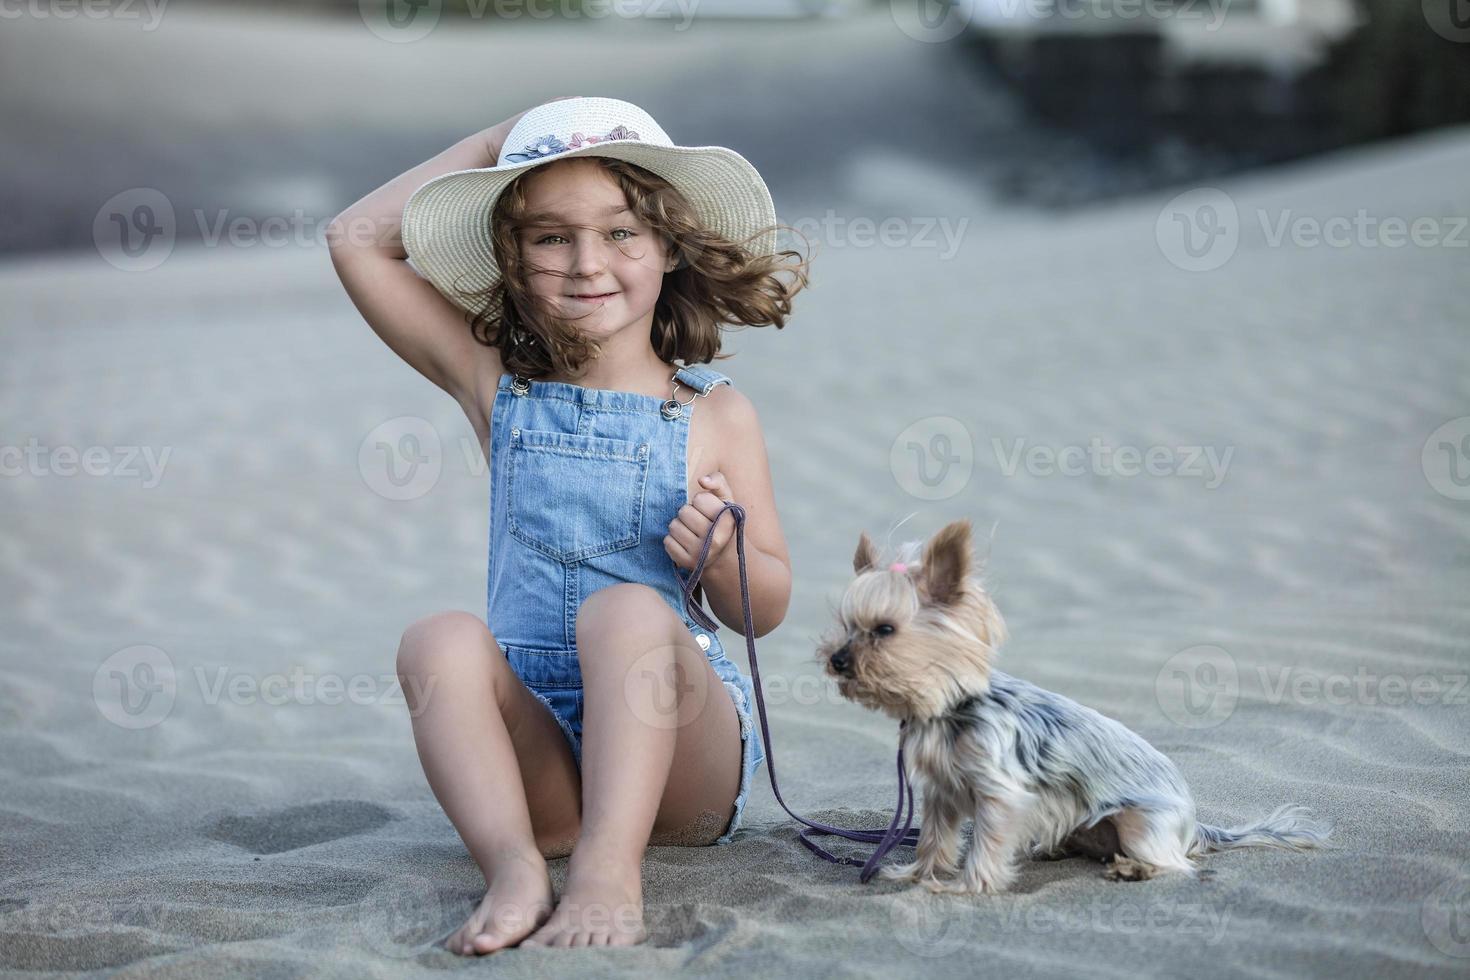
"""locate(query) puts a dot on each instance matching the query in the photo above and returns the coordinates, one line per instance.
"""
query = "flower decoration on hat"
(550, 144)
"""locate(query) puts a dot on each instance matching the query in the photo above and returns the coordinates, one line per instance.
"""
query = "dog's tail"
(1288, 827)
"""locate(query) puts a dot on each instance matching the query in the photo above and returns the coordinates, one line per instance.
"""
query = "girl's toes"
(463, 939)
(541, 937)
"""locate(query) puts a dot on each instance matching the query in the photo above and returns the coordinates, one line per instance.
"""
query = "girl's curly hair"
(717, 281)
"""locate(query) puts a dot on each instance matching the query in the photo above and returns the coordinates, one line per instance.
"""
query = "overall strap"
(700, 378)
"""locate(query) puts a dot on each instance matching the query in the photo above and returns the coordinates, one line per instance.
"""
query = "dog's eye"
(883, 629)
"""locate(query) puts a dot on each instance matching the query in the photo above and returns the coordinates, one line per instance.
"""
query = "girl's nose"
(589, 257)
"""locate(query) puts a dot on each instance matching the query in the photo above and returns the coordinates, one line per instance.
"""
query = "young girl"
(589, 708)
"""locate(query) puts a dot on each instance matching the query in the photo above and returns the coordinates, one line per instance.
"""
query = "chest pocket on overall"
(573, 497)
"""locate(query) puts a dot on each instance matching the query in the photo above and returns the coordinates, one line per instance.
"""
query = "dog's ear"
(947, 562)
(867, 554)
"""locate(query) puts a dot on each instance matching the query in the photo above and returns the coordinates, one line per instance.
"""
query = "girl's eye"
(883, 629)
(630, 232)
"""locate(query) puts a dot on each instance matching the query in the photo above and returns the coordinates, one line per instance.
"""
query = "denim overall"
(584, 483)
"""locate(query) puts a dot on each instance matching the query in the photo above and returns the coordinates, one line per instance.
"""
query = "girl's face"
(607, 275)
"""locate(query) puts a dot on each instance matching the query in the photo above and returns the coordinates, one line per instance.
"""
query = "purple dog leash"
(886, 839)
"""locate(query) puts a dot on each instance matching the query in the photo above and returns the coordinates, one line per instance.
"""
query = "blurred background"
(267, 109)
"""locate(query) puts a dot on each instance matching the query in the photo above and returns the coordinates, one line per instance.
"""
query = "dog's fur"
(1038, 773)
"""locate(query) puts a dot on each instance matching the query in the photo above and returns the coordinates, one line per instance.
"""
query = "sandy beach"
(257, 828)
(207, 769)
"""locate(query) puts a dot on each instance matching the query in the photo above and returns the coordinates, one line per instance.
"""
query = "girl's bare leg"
(478, 728)
(660, 750)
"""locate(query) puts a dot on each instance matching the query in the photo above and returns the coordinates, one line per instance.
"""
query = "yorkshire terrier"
(1039, 774)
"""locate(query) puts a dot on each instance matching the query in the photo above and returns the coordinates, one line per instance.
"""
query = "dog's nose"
(841, 662)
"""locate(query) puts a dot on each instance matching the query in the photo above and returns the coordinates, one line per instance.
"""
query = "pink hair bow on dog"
(898, 566)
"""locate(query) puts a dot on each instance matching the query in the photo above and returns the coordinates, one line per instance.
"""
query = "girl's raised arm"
(407, 312)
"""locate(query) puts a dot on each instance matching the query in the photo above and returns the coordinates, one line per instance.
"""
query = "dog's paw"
(905, 873)
(960, 886)
(1127, 869)
(945, 886)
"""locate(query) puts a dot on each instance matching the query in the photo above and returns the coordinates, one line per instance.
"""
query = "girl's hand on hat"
(688, 528)
(495, 135)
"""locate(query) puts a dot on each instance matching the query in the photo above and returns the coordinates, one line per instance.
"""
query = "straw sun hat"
(446, 222)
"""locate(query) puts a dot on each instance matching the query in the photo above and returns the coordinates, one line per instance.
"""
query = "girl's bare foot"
(517, 900)
(602, 906)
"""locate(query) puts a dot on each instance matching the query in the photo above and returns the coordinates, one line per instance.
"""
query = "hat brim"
(446, 222)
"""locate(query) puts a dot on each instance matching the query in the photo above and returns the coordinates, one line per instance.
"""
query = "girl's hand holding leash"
(688, 528)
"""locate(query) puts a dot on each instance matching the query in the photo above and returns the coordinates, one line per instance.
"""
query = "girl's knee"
(441, 638)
